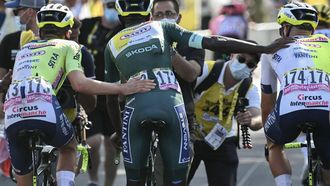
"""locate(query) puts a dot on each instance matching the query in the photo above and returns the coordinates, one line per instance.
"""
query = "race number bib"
(29, 99)
(166, 79)
(216, 136)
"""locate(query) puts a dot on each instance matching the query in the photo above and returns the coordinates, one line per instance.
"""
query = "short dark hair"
(175, 2)
(305, 26)
(50, 29)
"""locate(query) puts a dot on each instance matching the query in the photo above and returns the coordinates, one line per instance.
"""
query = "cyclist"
(324, 19)
(143, 49)
(303, 72)
(40, 69)
(187, 64)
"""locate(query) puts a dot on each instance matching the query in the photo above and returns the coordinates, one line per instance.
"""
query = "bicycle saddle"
(153, 123)
(307, 126)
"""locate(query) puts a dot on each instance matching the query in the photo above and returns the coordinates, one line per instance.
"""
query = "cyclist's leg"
(174, 146)
(135, 148)
(20, 154)
(110, 167)
(66, 143)
(321, 139)
(280, 130)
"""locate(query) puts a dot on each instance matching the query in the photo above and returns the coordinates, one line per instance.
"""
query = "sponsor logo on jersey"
(32, 54)
(318, 39)
(310, 104)
(277, 58)
(77, 56)
(313, 45)
(304, 97)
(303, 55)
(29, 61)
(304, 49)
(136, 33)
(26, 67)
(141, 50)
(53, 60)
(128, 112)
(26, 108)
(29, 114)
(39, 45)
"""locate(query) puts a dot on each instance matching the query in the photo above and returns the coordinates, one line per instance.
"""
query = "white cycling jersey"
(325, 31)
(303, 70)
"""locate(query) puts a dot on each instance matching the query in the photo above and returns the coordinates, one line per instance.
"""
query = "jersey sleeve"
(87, 62)
(184, 37)
(111, 73)
(268, 78)
(73, 58)
(253, 96)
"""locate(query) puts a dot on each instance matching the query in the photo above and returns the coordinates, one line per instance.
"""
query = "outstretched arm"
(231, 45)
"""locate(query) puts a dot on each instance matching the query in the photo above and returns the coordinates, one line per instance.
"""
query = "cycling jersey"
(39, 71)
(303, 72)
(144, 51)
(324, 31)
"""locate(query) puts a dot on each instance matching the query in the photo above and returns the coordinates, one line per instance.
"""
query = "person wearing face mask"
(187, 63)
(215, 107)
(94, 34)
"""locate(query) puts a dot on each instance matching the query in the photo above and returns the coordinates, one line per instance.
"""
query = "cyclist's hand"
(116, 140)
(278, 44)
(135, 85)
(244, 118)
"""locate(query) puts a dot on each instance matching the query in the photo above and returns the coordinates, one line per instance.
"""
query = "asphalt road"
(253, 169)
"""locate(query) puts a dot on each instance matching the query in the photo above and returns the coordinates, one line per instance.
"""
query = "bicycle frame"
(313, 160)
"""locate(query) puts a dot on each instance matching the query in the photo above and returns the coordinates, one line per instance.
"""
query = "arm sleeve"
(268, 78)
(181, 35)
(111, 73)
(87, 63)
(73, 58)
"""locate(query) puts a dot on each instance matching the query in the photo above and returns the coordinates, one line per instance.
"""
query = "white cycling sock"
(65, 178)
(283, 180)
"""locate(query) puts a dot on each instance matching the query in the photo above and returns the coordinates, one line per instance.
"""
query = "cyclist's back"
(303, 72)
(146, 54)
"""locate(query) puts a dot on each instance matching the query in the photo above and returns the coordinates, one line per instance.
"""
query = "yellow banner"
(190, 10)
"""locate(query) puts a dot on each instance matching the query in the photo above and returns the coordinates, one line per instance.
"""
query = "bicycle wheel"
(317, 173)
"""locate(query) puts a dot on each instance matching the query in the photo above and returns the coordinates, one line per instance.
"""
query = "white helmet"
(296, 13)
(55, 14)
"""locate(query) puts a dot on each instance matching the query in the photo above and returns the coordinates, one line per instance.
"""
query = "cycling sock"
(283, 180)
(65, 178)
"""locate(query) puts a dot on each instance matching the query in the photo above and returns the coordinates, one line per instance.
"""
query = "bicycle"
(314, 164)
(44, 158)
(155, 125)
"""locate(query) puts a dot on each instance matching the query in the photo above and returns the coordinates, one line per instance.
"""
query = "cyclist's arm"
(219, 43)
(253, 95)
(111, 74)
(189, 68)
(88, 102)
(268, 87)
(256, 123)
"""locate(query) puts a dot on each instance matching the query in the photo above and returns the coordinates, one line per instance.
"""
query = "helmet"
(323, 12)
(297, 13)
(128, 7)
(233, 8)
(55, 14)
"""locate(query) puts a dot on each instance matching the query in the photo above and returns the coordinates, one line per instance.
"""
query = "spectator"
(215, 112)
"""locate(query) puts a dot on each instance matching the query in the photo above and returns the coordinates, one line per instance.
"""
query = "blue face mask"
(111, 15)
